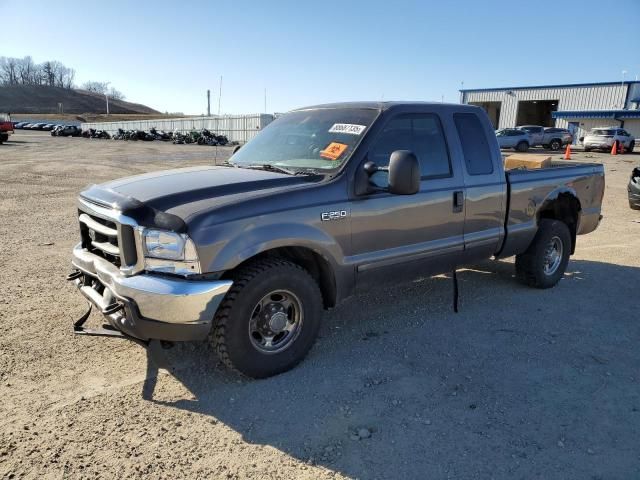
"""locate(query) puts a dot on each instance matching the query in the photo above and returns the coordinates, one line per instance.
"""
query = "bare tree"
(96, 87)
(49, 73)
(8, 71)
(116, 94)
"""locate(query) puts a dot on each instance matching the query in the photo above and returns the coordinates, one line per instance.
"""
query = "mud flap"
(455, 290)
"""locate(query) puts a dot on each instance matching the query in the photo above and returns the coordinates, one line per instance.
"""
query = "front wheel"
(555, 145)
(522, 147)
(546, 259)
(269, 319)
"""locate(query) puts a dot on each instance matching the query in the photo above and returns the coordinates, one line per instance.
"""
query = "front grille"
(108, 239)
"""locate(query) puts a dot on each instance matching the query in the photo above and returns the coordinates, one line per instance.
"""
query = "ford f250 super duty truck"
(323, 201)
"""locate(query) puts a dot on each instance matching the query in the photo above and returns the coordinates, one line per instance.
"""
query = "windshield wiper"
(269, 167)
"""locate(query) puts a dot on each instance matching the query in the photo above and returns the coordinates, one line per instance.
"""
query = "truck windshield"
(321, 139)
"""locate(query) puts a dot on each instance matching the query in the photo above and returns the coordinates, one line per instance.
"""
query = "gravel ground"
(521, 383)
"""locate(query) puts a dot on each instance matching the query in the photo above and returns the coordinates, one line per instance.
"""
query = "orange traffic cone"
(614, 149)
(567, 152)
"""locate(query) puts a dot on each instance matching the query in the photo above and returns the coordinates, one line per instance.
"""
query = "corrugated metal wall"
(238, 128)
(594, 97)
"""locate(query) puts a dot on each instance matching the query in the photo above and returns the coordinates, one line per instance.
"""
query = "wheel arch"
(563, 205)
(317, 265)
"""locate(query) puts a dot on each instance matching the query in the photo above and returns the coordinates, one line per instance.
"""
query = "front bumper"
(152, 306)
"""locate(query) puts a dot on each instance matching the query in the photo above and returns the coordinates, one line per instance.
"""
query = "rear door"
(485, 186)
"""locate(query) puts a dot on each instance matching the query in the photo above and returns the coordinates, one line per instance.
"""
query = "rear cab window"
(475, 146)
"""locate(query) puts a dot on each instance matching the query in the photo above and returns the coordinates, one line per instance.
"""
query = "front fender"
(250, 243)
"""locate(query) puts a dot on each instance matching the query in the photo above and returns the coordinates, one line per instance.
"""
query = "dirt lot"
(520, 384)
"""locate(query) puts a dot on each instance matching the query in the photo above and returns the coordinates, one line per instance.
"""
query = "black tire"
(531, 266)
(522, 146)
(555, 144)
(232, 338)
(633, 206)
(587, 149)
(632, 145)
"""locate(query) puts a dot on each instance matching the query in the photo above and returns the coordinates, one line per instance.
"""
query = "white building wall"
(633, 127)
(593, 97)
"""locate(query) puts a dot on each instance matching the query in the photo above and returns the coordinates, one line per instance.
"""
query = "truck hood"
(185, 192)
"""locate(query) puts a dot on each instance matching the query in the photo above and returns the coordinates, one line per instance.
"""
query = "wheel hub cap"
(552, 256)
(275, 322)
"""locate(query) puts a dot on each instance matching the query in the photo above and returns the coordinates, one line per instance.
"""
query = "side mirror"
(404, 173)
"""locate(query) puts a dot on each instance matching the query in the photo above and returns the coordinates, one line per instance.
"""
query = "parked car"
(556, 138)
(56, 129)
(515, 138)
(536, 134)
(69, 131)
(20, 125)
(634, 189)
(602, 138)
(324, 200)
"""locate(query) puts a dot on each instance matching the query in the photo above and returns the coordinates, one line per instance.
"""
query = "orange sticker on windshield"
(334, 150)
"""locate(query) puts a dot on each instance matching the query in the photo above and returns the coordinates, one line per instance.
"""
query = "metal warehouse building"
(577, 107)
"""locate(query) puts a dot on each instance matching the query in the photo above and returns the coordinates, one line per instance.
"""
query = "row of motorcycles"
(200, 137)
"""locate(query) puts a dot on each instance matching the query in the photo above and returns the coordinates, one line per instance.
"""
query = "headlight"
(163, 244)
(169, 252)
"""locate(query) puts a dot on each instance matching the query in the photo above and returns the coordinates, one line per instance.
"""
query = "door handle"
(458, 201)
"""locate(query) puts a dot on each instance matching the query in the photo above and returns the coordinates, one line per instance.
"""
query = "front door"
(409, 235)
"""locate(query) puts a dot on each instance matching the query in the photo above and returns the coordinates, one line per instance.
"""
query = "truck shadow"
(436, 391)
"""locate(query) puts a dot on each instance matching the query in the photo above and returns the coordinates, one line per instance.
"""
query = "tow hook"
(74, 275)
(113, 308)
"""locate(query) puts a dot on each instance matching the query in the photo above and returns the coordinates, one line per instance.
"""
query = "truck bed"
(530, 190)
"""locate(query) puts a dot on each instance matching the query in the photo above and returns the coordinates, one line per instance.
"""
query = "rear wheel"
(555, 144)
(269, 319)
(546, 259)
(522, 146)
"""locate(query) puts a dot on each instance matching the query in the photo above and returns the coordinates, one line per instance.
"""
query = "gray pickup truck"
(324, 201)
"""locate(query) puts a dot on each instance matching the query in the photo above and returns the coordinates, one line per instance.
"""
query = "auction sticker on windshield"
(349, 128)
(333, 150)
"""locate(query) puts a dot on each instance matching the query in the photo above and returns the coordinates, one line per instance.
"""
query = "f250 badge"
(335, 215)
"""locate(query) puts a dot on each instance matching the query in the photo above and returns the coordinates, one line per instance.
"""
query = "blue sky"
(166, 54)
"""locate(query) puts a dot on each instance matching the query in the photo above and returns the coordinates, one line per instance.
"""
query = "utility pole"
(219, 95)
(106, 95)
(208, 103)
(624, 72)
(265, 100)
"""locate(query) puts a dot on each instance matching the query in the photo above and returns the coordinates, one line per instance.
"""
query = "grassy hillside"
(43, 99)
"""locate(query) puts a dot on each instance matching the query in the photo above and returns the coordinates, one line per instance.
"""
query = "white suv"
(603, 138)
